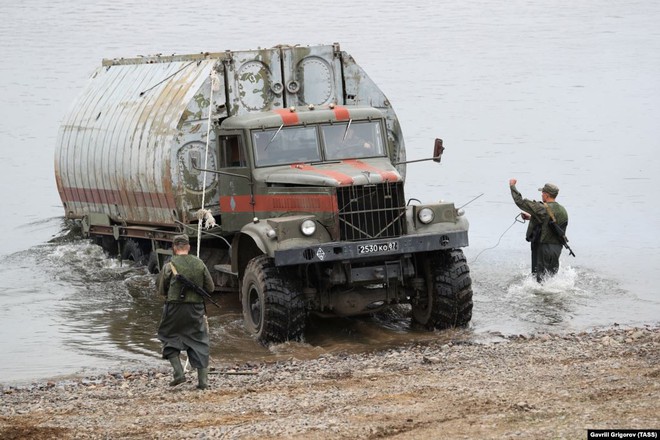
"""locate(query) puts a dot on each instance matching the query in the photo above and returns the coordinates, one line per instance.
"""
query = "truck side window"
(231, 152)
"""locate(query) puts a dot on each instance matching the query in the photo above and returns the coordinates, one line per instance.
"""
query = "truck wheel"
(448, 302)
(273, 303)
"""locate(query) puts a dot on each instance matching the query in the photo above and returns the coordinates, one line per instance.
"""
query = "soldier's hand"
(525, 216)
(512, 182)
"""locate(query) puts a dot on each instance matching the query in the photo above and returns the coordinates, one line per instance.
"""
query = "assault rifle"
(562, 237)
(187, 283)
(558, 231)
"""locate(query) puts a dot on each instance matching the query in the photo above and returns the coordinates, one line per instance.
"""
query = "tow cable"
(515, 220)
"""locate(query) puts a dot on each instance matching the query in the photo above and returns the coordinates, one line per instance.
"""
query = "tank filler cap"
(255, 220)
(311, 106)
(277, 88)
(293, 86)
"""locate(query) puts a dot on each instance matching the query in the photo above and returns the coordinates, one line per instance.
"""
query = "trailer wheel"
(448, 300)
(109, 244)
(274, 309)
(152, 263)
(132, 251)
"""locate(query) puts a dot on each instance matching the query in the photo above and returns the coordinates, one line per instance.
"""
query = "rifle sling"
(550, 213)
(557, 228)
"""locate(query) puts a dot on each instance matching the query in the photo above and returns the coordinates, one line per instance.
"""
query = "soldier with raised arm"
(546, 245)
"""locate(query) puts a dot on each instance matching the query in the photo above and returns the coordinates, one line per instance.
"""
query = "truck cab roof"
(300, 115)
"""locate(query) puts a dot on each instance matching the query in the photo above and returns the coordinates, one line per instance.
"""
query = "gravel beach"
(540, 386)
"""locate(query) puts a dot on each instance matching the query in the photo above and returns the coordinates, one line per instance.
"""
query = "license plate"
(376, 248)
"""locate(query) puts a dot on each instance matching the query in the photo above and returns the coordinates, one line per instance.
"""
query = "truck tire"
(274, 309)
(448, 302)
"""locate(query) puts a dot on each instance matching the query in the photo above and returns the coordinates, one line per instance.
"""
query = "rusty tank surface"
(293, 159)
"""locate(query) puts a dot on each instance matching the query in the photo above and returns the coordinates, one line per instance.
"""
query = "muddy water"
(540, 91)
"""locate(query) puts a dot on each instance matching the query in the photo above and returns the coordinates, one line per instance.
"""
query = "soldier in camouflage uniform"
(546, 245)
(183, 325)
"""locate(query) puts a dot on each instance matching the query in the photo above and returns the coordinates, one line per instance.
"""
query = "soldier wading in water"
(183, 325)
(545, 243)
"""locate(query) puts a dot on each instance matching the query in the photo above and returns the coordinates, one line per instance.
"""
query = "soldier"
(343, 142)
(183, 325)
(545, 243)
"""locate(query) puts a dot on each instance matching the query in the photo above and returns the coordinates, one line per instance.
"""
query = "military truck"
(293, 160)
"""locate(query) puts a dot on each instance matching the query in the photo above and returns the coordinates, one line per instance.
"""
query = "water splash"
(563, 283)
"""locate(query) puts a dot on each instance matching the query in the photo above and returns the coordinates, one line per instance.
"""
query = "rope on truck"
(205, 213)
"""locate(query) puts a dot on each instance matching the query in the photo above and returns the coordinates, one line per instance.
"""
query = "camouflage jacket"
(192, 268)
(540, 217)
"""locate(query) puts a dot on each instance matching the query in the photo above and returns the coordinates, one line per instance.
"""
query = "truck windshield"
(346, 140)
(353, 140)
(277, 146)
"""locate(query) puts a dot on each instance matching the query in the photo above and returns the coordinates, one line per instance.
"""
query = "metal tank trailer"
(294, 160)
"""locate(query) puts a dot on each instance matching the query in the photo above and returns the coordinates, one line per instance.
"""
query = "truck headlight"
(308, 227)
(425, 215)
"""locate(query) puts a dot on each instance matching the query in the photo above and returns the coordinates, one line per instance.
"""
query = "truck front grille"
(371, 211)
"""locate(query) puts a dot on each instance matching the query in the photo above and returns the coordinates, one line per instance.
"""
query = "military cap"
(551, 189)
(180, 239)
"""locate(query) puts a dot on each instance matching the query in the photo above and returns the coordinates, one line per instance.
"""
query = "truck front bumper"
(371, 249)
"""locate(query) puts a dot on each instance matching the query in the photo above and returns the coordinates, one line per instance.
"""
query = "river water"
(553, 91)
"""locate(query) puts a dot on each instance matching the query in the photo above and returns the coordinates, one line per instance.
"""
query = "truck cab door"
(236, 201)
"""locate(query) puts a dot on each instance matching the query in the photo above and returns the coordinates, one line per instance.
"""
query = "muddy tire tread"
(285, 310)
(454, 291)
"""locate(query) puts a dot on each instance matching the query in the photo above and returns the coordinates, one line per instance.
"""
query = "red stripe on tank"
(114, 197)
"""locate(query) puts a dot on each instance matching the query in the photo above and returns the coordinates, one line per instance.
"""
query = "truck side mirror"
(437, 150)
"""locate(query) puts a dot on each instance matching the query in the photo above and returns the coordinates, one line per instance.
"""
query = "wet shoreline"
(523, 385)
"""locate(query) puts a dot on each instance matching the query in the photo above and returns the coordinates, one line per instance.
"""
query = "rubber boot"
(202, 378)
(179, 375)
